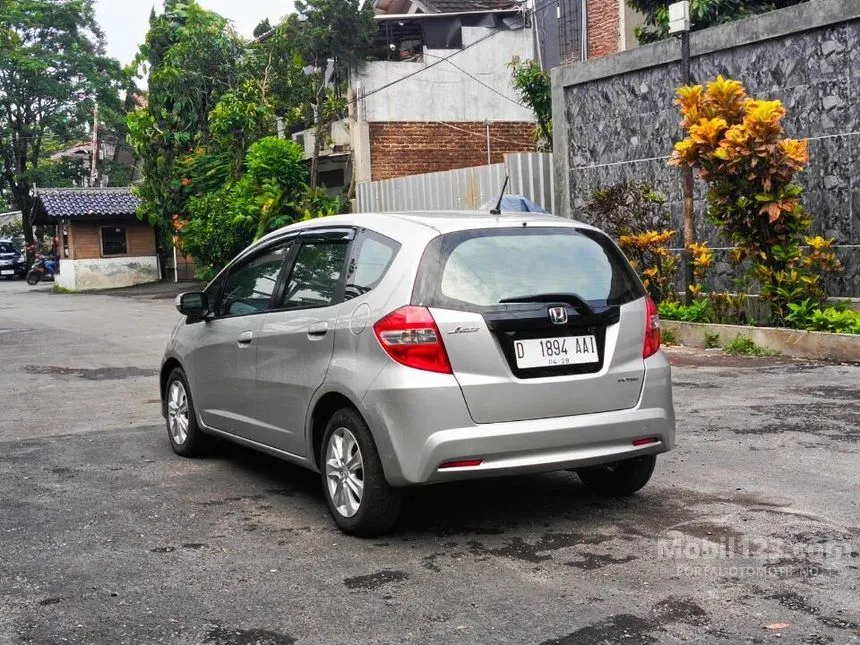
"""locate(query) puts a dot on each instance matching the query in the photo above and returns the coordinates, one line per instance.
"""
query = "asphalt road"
(748, 533)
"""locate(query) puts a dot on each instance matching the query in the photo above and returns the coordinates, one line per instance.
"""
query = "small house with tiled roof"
(102, 244)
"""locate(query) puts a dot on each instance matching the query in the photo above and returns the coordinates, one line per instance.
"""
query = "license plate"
(555, 352)
(7, 272)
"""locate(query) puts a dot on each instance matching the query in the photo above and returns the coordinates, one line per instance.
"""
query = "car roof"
(439, 221)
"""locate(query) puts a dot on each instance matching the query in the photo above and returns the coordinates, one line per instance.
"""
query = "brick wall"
(603, 27)
(398, 149)
(85, 238)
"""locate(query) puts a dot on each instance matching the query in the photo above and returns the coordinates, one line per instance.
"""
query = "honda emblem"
(558, 315)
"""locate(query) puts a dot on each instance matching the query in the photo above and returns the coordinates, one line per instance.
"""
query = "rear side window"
(373, 255)
(480, 268)
(315, 276)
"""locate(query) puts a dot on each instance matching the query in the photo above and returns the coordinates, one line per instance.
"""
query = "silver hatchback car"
(391, 350)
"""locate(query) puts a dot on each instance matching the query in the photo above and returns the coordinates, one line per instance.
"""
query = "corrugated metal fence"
(467, 188)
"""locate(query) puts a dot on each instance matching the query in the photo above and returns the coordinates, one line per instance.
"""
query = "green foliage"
(697, 311)
(809, 315)
(339, 29)
(191, 56)
(667, 337)
(628, 208)
(534, 87)
(13, 230)
(56, 288)
(52, 65)
(209, 162)
(744, 345)
(270, 194)
(703, 14)
(636, 216)
(712, 341)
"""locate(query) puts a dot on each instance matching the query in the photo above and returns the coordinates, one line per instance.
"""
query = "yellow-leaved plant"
(738, 145)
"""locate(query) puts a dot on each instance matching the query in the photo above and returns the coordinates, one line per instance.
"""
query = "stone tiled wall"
(614, 116)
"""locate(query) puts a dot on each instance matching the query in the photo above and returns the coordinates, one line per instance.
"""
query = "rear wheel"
(33, 277)
(619, 478)
(358, 496)
(186, 438)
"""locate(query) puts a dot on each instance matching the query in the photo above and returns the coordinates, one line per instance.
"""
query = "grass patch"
(744, 346)
(712, 341)
(667, 337)
(59, 289)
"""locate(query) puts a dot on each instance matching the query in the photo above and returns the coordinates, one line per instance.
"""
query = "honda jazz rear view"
(394, 350)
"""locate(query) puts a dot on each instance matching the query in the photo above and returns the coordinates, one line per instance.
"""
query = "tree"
(52, 68)
(341, 31)
(191, 57)
(703, 14)
(533, 85)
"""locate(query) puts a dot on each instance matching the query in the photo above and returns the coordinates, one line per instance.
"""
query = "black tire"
(620, 478)
(33, 278)
(195, 442)
(380, 503)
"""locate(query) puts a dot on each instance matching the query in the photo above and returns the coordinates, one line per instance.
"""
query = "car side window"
(369, 263)
(315, 275)
(249, 287)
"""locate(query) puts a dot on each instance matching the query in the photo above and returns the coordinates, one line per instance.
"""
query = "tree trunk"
(315, 159)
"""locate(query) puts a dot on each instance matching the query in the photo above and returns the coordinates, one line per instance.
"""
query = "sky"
(125, 22)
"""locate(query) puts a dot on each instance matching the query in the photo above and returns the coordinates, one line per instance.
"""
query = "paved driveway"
(107, 537)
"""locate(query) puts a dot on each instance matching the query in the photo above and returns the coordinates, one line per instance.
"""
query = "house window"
(114, 241)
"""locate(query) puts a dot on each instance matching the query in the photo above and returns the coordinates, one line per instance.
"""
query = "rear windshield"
(7, 247)
(479, 268)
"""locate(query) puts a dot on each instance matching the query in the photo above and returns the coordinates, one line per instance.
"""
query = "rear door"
(296, 339)
(537, 322)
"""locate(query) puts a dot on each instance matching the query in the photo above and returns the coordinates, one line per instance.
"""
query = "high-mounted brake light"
(410, 336)
(652, 329)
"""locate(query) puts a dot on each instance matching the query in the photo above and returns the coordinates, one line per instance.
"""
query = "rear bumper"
(422, 426)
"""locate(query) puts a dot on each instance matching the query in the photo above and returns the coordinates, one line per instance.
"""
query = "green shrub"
(745, 346)
(667, 337)
(712, 341)
(808, 315)
(696, 311)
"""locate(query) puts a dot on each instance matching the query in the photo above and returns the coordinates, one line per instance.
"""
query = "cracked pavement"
(749, 531)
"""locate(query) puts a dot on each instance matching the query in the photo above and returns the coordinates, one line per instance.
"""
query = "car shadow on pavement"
(483, 506)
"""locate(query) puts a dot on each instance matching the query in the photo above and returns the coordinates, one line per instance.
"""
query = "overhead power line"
(444, 59)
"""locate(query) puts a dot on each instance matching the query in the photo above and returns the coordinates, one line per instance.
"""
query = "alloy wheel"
(177, 412)
(344, 469)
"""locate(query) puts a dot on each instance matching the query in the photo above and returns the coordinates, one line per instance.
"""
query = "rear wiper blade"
(572, 299)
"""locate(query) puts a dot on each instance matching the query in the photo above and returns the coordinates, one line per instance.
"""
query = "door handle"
(245, 338)
(318, 330)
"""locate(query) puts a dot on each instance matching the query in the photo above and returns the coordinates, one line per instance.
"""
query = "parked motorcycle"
(43, 269)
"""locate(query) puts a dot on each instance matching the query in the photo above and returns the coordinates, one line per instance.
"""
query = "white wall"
(443, 92)
(107, 273)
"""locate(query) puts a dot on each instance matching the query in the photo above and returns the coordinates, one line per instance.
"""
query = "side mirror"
(193, 304)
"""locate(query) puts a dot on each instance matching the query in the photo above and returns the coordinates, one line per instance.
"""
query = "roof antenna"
(498, 209)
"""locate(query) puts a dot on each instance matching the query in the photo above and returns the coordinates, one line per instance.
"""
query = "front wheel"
(33, 277)
(186, 438)
(359, 498)
(620, 478)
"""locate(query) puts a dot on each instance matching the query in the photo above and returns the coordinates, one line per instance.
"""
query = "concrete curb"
(788, 342)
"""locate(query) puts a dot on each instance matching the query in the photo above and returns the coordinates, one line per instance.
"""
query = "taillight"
(410, 336)
(652, 329)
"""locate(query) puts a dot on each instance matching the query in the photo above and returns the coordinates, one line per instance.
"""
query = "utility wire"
(479, 134)
(444, 59)
(478, 80)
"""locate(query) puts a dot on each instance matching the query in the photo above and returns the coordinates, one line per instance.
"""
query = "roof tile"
(74, 203)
